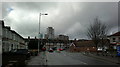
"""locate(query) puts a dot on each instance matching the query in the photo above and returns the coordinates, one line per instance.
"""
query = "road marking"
(84, 63)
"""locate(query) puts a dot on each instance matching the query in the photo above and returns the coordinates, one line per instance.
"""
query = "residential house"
(79, 46)
(87, 45)
(60, 41)
(11, 39)
(114, 40)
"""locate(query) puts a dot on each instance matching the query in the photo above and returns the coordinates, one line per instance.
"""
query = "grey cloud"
(66, 18)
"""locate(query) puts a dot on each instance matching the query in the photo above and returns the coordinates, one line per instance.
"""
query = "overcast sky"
(68, 18)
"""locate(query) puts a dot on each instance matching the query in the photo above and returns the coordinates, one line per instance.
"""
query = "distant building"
(33, 43)
(50, 33)
(114, 39)
(46, 36)
(62, 37)
(11, 39)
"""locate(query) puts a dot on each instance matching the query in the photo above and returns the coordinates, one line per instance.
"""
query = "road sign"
(40, 35)
(118, 50)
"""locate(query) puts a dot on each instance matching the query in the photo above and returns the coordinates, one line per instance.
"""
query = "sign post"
(41, 36)
(118, 52)
(118, 49)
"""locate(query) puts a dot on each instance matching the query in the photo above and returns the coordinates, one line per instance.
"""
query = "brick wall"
(81, 49)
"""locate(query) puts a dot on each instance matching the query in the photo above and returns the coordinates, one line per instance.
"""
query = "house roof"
(116, 34)
(8, 27)
(72, 44)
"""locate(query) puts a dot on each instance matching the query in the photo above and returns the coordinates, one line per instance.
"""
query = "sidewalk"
(109, 58)
(38, 60)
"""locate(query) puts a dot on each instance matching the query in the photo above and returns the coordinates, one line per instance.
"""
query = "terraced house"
(11, 39)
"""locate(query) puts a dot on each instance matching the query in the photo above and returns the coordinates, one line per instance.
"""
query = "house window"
(114, 40)
(11, 46)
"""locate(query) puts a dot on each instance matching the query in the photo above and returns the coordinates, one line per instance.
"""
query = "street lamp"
(40, 14)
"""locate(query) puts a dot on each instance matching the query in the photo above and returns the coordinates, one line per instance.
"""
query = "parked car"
(34, 52)
(64, 48)
(50, 50)
(43, 49)
(21, 52)
(60, 49)
(54, 48)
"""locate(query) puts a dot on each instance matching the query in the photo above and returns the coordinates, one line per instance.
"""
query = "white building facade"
(11, 39)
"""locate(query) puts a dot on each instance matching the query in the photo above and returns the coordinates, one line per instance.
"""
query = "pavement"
(109, 58)
(0, 59)
(37, 60)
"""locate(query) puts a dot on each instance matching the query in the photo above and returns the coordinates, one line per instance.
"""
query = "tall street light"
(40, 14)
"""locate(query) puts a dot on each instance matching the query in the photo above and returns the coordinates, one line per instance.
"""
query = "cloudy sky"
(68, 18)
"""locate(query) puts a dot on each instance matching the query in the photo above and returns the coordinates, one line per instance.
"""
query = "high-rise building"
(50, 33)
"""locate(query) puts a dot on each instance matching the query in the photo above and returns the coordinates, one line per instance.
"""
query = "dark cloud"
(70, 18)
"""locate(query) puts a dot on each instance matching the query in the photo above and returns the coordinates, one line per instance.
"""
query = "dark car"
(21, 52)
(54, 48)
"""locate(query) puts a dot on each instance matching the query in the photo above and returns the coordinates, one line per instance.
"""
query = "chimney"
(75, 40)
(8, 27)
(2, 22)
(28, 38)
(35, 38)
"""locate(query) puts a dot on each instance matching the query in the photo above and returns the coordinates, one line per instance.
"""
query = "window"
(119, 39)
(114, 40)
(11, 46)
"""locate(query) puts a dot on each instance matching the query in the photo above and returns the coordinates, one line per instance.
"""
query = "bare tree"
(97, 31)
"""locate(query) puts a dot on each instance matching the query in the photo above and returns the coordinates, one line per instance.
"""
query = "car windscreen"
(22, 51)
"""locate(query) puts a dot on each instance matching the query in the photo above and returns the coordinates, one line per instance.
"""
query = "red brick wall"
(82, 49)
(72, 48)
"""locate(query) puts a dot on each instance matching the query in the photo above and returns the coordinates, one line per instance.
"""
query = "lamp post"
(40, 14)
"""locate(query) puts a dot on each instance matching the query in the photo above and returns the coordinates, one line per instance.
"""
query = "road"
(0, 59)
(37, 60)
(65, 58)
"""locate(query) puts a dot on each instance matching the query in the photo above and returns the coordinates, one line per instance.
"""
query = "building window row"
(11, 39)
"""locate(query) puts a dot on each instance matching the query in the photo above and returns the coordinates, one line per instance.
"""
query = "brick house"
(87, 46)
(79, 46)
